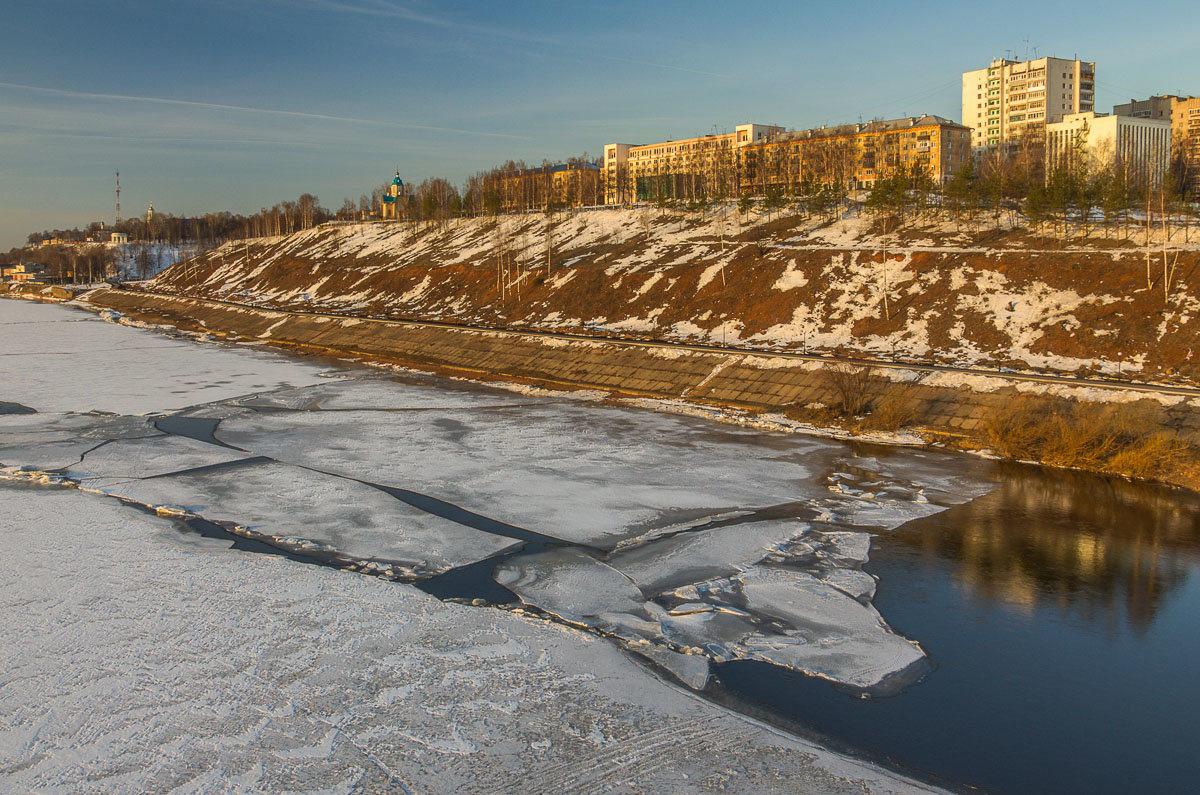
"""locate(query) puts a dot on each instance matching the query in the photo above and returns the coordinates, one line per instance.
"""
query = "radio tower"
(118, 218)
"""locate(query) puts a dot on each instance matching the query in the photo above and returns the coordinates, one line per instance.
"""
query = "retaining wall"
(756, 381)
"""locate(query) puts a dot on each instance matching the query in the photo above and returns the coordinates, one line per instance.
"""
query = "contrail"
(245, 109)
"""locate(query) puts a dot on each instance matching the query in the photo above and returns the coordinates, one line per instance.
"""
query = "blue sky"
(238, 104)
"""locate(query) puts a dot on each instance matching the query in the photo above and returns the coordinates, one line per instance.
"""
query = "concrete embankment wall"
(746, 380)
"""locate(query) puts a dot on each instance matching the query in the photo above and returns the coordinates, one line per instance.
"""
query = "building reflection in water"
(1098, 549)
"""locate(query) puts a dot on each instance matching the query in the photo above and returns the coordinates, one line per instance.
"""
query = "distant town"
(1030, 140)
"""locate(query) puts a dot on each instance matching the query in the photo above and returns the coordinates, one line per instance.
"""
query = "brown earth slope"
(784, 283)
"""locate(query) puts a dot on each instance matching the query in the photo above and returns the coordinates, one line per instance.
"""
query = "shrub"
(1080, 437)
(854, 387)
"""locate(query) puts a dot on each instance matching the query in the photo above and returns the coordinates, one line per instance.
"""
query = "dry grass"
(896, 408)
(1127, 439)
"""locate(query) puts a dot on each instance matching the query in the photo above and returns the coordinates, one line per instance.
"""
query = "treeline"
(1011, 183)
(514, 186)
(1078, 193)
(89, 264)
(203, 231)
(67, 263)
(435, 199)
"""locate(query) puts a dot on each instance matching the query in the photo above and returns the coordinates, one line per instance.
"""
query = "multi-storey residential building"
(1152, 108)
(703, 166)
(1010, 100)
(856, 155)
(1141, 147)
(1184, 115)
(756, 157)
(616, 173)
(1185, 136)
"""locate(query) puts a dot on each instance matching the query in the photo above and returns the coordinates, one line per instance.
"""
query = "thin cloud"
(380, 8)
(245, 109)
(384, 9)
(662, 66)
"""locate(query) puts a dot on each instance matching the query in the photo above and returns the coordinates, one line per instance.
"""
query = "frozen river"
(509, 582)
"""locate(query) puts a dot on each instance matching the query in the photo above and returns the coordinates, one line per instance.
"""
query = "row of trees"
(90, 264)
(202, 231)
(514, 186)
(1078, 193)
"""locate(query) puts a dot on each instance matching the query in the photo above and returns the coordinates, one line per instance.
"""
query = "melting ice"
(683, 540)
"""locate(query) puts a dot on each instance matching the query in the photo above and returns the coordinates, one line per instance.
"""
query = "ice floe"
(682, 539)
(303, 508)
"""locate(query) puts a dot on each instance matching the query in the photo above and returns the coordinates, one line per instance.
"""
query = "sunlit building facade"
(1011, 100)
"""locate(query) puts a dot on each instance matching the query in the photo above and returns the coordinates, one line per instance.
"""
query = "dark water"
(202, 429)
(1062, 613)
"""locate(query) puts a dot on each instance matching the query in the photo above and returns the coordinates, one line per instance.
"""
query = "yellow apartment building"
(854, 156)
(703, 166)
(1185, 134)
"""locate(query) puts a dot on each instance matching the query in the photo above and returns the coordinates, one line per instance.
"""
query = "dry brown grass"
(1012, 429)
(896, 408)
(1154, 456)
(1125, 439)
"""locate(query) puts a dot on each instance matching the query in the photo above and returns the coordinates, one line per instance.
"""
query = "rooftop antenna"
(1026, 49)
(118, 217)
(1035, 49)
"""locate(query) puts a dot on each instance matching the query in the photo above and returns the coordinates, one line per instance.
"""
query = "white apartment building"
(1010, 99)
(1184, 115)
(1141, 145)
(616, 166)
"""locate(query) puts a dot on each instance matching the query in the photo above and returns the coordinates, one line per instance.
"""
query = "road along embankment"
(1097, 423)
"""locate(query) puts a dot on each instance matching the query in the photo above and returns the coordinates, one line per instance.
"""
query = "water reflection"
(1059, 611)
(1097, 549)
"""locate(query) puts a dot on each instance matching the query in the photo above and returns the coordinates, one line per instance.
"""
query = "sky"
(239, 104)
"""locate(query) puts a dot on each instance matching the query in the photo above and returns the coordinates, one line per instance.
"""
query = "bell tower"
(388, 208)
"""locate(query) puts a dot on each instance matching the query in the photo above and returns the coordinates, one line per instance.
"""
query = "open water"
(1061, 614)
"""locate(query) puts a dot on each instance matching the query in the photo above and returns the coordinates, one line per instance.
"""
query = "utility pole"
(117, 219)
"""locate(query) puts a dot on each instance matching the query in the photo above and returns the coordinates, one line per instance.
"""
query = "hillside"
(978, 296)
